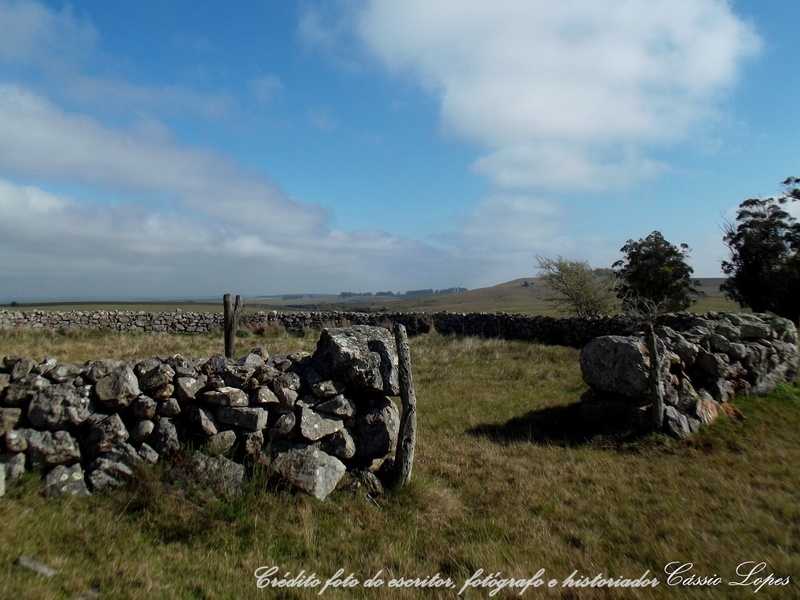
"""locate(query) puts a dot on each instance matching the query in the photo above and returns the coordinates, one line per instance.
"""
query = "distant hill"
(526, 295)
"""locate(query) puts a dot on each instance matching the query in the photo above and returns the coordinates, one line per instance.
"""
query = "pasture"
(507, 480)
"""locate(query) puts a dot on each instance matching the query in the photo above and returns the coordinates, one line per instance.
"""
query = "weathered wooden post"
(231, 314)
(656, 391)
(407, 438)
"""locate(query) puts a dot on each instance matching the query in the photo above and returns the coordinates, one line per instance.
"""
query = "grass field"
(506, 479)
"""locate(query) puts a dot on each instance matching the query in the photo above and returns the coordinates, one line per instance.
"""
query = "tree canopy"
(578, 288)
(654, 276)
(764, 268)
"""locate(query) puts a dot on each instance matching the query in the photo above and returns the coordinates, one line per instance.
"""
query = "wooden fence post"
(231, 314)
(407, 438)
(656, 391)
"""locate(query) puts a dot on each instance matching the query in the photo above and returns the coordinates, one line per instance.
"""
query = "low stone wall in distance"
(308, 417)
(575, 332)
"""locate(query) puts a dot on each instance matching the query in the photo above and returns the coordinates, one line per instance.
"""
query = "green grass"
(505, 480)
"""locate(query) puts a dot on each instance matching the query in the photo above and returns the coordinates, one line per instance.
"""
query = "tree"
(764, 268)
(580, 289)
(654, 276)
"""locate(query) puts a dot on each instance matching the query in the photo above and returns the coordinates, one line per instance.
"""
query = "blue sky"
(183, 149)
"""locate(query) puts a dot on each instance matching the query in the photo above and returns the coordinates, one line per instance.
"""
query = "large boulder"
(616, 365)
(362, 357)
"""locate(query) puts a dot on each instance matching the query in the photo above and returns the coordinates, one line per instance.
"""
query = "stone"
(164, 392)
(187, 388)
(156, 377)
(43, 367)
(20, 367)
(264, 396)
(339, 444)
(617, 364)
(204, 420)
(752, 329)
(253, 443)
(363, 357)
(287, 398)
(216, 364)
(314, 425)
(227, 396)
(675, 423)
(67, 481)
(165, 436)
(706, 410)
(144, 407)
(148, 454)
(266, 373)
(311, 470)
(253, 360)
(57, 407)
(34, 382)
(169, 408)
(327, 389)
(48, 449)
(9, 417)
(114, 467)
(17, 395)
(285, 428)
(14, 441)
(338, 405)
(117, 389)
(251, 418)
(237, 376)
(714, 364)
(98, 369)
(13, 464)
(62, 372)
(2, 482)
(221, 474)
(222, 442)
(375, 430)
(142, 430)
(105, 432)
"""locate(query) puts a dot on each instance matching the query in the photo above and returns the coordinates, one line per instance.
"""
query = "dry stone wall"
(574, 332)
(704, 363)
(309, 417)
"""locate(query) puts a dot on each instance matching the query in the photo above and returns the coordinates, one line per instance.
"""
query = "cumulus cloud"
(552, 90)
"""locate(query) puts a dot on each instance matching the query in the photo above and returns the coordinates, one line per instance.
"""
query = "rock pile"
(310, 417)
(707, 363)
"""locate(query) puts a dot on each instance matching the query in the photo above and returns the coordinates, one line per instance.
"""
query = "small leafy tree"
(654, 276)
(579, 289)
(764, 268)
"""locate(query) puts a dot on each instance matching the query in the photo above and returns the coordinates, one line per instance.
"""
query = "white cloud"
(31, 34)
(534, 81)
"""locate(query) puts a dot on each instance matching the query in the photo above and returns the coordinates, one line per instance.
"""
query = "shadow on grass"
(561, 426)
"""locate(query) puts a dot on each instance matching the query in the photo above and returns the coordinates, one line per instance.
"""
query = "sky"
(168, 149)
